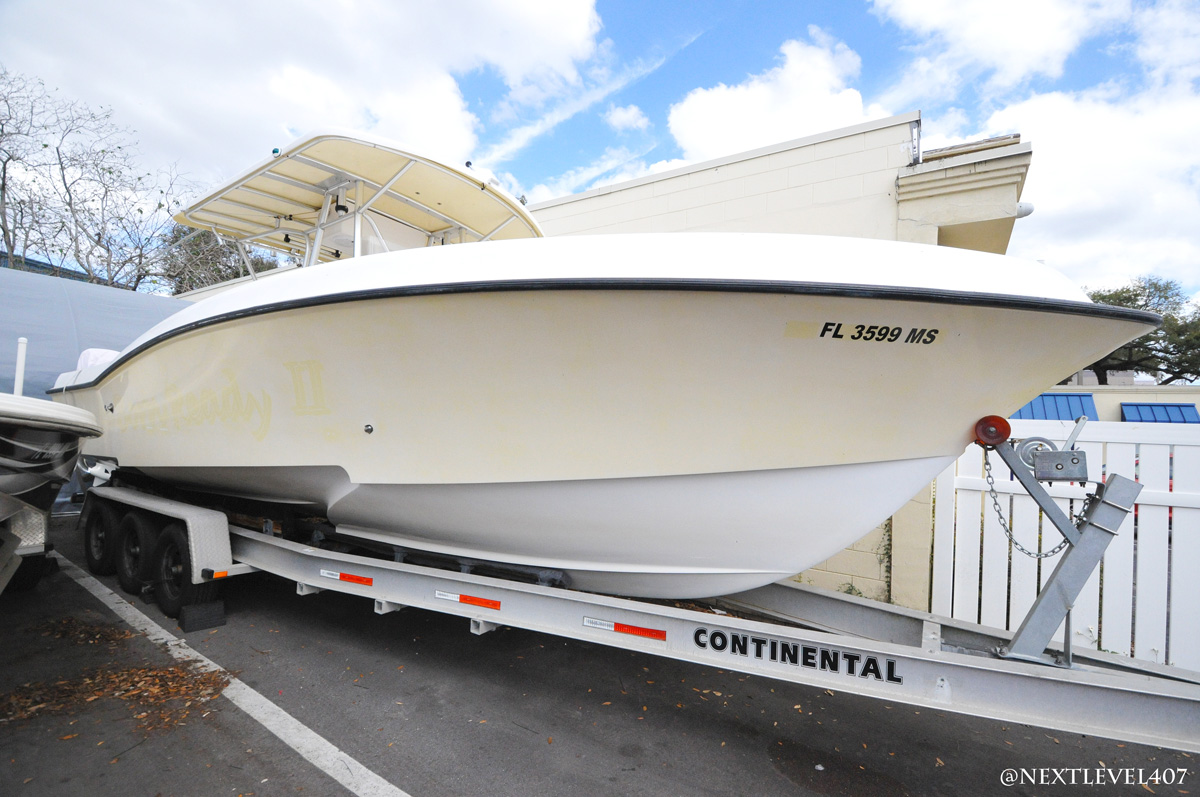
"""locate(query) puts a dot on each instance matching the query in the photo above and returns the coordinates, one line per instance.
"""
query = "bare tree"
(71, 190)
(23, 112)
(195, 259)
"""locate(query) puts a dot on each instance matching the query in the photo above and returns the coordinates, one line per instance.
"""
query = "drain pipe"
(19, 379)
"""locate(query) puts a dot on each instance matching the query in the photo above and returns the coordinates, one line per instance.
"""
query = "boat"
(39, 445)
(654, 415)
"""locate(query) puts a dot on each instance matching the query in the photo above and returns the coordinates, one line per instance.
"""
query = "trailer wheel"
(172, 573)
(99, 536)
(134, 543)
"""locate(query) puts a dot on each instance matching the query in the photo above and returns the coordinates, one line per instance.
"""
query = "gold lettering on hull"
(180, 410)
(309, 387)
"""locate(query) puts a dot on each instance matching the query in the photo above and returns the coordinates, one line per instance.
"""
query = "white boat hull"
(647, 436)
(39, 444)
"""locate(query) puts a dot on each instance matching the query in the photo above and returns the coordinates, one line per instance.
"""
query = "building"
(36, 266)
(1120, 403)
(866, 181)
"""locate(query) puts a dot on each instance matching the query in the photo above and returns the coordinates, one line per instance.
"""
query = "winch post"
(1112, 502)
(1088, 539)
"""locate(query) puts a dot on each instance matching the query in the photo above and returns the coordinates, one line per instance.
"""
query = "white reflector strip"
(622, 628)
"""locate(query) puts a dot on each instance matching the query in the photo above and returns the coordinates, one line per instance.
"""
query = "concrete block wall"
(861, 569)
(891, 564)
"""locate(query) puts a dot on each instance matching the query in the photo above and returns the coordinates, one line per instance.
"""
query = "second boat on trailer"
(673, 415)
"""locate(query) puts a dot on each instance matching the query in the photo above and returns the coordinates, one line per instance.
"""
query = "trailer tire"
(131, 555)
(172, 573)
(99, 536)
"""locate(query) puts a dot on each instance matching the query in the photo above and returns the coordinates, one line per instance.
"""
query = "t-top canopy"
(333, 195)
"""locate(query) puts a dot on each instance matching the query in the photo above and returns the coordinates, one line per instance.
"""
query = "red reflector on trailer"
(350, 577)
(485, 603)
(622, 628)
(637, 630)
(221, 574)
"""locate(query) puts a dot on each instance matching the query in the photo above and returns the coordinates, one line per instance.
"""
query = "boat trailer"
(783, 631)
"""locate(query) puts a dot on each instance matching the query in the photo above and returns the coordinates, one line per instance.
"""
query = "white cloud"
(214, 86)
(947, 128)
(1116, 169)
(388, 112)
(807, 93)
(520, 137)
(1008, 42)
(629, 117)
(580, 177)
(1169, 41)
(635, 168)
(1116, 182)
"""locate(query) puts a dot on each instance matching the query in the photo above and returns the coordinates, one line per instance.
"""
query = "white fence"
(1144, 601)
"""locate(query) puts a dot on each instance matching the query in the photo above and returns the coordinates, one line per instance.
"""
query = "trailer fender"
(207, 529)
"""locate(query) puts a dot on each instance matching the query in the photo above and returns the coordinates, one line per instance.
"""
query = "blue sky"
(557, 97)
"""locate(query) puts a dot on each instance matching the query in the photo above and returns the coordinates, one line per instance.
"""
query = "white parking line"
(295, 734)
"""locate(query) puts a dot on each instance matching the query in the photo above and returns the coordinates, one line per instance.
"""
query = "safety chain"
(991, 482)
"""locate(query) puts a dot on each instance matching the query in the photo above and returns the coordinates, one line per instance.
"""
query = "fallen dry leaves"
(81, 633)
(162, 697)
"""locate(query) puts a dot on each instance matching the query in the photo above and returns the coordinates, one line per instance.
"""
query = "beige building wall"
(866, 181)
(965, 196)
(837, 183)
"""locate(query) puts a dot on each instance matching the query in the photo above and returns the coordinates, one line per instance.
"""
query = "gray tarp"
(63, 317)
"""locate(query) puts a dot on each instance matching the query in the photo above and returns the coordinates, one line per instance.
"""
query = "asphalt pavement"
(90, 705)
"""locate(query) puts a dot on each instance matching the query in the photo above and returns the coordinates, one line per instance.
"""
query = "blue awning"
(1159, 413)
(1058, 407)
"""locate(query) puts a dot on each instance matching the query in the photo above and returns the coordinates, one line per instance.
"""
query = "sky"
(556, 97)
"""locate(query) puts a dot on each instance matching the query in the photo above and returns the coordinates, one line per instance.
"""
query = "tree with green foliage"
(1181, 347)
(1170, 353)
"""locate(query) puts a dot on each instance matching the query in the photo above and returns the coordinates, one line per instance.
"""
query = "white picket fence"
(1145, 600)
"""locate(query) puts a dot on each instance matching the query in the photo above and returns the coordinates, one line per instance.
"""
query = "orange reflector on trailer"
(366, 581)
(485, 603)
(622, 628)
